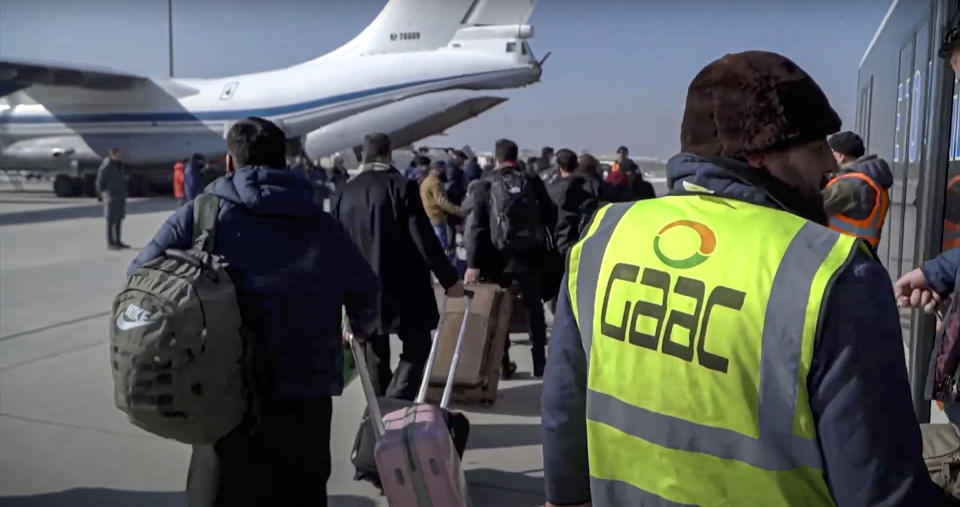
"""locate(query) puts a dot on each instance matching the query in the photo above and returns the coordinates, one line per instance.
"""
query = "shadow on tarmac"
(95, 210)
(521, 400)
(488, 487)
(494, 436)
(103, 497)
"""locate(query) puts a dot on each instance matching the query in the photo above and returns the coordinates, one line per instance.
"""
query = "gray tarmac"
(62, 441)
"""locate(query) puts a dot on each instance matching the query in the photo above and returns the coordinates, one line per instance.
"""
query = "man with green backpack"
(227, 333)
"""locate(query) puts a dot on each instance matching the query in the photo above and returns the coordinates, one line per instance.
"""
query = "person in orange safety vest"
(857, 199)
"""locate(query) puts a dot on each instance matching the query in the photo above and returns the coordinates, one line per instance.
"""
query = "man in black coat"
(382, 212)
(576, 198)
(524, 268)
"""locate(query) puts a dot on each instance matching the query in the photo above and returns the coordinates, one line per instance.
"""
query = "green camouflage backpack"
(176, 343)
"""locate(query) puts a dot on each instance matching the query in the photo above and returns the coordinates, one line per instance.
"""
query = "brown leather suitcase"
(478, 372)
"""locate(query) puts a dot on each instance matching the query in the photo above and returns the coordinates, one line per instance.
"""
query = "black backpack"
(515, 221)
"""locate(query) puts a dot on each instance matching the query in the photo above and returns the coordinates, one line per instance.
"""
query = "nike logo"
(132, 318)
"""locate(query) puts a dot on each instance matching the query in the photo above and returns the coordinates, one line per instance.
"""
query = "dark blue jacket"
(858, 389)
(941, 272)
(472, 171)
(294, 268)
(455, 184)
(193, 179)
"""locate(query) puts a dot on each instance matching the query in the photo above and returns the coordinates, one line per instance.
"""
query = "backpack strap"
(205, 210)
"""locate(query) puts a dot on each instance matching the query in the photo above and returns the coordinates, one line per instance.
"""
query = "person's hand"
(455, 290)
(913, 290)
(471, 276)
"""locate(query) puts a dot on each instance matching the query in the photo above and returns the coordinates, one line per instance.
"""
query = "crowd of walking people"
(735, 342)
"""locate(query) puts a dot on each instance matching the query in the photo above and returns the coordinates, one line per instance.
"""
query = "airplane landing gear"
(66, 186)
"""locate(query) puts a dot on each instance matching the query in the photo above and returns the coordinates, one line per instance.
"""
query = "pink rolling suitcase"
(416, 458)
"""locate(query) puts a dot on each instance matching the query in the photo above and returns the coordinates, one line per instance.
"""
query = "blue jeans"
(441, 232)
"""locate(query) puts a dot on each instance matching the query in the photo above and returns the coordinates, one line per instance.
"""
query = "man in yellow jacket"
(438, 206)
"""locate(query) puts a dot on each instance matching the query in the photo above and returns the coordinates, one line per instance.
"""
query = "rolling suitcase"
(415, 453)
(479, 367)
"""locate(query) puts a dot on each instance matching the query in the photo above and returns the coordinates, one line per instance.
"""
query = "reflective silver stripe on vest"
(591, 257)
(610, 492)
(867, 232)
(783, 330)
(777, 448)
(675, 433)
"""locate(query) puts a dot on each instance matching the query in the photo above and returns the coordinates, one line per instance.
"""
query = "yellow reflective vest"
(698, 315)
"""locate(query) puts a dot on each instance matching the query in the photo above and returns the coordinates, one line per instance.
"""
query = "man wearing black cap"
(857, 199)
(382, 211)
(721, 345)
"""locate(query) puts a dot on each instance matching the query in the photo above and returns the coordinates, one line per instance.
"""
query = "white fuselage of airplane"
(166, 119)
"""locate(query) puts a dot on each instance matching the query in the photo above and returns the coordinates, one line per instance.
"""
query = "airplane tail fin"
(421, 25)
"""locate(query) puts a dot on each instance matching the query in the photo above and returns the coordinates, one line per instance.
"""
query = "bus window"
(899, 124)
(915, 110)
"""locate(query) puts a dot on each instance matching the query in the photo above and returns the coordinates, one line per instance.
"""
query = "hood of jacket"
(726, 177)
(267, 191)
(874, 167)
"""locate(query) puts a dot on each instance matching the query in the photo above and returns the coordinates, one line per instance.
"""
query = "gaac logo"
(133, 317)
(708, 243)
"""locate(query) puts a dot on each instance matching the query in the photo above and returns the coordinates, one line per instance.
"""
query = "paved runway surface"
(62, 442)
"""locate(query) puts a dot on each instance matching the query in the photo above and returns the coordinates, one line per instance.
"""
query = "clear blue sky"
(618, 74)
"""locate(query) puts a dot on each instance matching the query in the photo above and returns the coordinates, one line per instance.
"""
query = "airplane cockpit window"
(511, 47)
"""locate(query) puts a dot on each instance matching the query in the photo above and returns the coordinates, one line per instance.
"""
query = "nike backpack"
(515, 222)
(176, 345)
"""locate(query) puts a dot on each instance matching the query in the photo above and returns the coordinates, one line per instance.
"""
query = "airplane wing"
(20, 74)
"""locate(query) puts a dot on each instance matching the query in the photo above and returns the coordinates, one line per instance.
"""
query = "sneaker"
(114, 247)
(509, 369)
(123, 246)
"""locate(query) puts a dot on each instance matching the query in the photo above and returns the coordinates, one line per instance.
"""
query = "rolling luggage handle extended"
(359, 355)
(361, 359)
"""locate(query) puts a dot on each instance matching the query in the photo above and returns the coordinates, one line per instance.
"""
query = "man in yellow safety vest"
(722, 346)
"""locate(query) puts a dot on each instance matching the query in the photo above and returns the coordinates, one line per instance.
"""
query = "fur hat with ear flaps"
(753, 102)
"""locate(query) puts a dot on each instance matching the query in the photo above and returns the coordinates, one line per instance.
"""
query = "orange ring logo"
(708, 243)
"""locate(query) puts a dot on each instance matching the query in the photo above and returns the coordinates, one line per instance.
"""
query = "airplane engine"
(405, 122)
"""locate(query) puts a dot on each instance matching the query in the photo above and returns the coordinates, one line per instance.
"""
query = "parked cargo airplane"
(415, 71)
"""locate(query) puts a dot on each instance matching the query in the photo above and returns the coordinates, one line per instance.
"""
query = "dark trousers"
(286, 461)
(113, 232)
(531, 288)
(405, 381)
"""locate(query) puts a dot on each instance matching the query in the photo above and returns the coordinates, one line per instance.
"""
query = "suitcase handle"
(360, 358)
(428, 370)
(373, 405)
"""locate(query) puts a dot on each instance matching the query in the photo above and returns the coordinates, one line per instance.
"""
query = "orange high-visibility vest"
(867, 229)
(951, 228)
